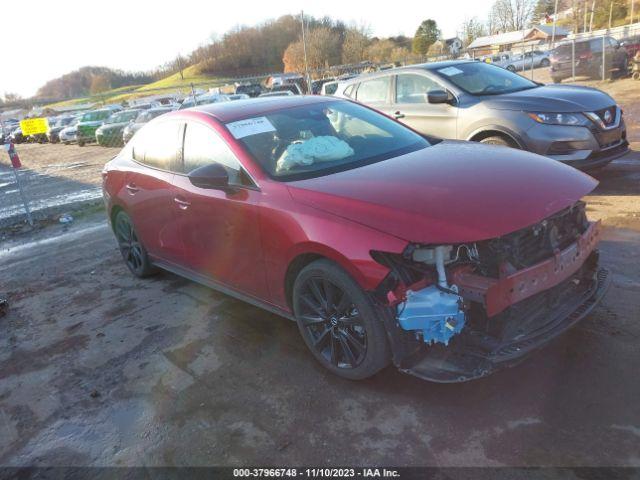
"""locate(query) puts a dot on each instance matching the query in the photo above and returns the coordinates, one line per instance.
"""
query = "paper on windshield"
(450, 71)
(250, 126)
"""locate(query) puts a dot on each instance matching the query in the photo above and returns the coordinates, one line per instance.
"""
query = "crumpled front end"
(459, 312)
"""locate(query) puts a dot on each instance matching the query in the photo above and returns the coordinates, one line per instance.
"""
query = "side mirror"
(438, 96)
(213, 176)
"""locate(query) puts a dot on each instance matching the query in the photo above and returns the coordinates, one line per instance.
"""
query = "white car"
(534, 59)
(69, 134)
(281, 93)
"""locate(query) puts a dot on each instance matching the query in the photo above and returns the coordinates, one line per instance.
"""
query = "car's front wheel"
(497, 140)
(339, 322)
(131, 248)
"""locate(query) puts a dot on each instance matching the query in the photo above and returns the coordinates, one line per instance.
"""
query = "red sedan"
(448, 259)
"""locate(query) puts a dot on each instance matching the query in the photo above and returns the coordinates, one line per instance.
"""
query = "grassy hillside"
(169, 84)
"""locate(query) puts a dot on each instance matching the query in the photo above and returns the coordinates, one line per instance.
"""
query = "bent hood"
(552, 99)
(452, 192)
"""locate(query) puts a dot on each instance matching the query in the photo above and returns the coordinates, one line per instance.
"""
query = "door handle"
(131, 187)
(398, 115)
(182, 204)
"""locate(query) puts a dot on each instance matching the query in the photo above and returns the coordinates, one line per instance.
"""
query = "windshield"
(316, 140)
(479, 78)
(123, 117)
(149, 115)
(97, 115)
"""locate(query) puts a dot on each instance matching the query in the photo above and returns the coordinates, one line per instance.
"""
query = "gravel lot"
(99, 368)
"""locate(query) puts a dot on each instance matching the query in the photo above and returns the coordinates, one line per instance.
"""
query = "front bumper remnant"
(472, 355)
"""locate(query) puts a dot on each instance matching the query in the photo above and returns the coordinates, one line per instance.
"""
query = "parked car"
(16, 136)
(69, 135)
(60, 123)
(144, 117)
(204, 99)
(251, 89)
(237, 96)
(287, 87)
(110, 133)
(281, 93)
(316, 85)
(448, 259)
(329, 88)
(534, 59)
(588, 59)
(476, 101)
(631, 45)
(89, 123)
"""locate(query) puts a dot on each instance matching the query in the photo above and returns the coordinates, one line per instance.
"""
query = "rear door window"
(374, 91)
(157, 145)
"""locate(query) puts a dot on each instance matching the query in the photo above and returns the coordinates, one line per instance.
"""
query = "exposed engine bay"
(457, 311)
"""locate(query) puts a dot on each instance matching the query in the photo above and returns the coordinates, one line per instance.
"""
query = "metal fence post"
(604, 56)
(573, 60)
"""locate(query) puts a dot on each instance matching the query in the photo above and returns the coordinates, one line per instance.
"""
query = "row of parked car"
(586, 54)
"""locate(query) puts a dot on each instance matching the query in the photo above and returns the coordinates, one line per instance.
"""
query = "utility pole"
(304, 49)
(632, 5)
(553, 32)
(593, 7)
(610, 13)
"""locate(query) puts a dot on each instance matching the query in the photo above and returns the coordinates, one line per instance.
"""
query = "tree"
(11, 97)
(471, 29)
(426, 34)
(355, 45)
(323, 50)
(99, 84)
(544, 8)
(511, 15)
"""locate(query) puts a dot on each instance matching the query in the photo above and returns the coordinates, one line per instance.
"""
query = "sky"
(59, 37)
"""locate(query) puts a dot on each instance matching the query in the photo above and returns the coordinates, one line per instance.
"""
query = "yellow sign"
(33, 126)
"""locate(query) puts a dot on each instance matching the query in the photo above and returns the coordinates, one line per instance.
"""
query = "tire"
(636, 75)
(339, 322)
(511, 68)
(497, 140)
(545, 62)
(133, 252)
(81, 143)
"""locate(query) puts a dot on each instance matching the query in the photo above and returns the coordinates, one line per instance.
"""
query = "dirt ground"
(100, 368)
(53, 178)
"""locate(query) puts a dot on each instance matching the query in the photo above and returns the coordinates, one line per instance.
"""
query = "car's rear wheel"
(81, 143)
(497, 140)
(545, 62)
(339, 322)
(131, 248)
(511, 68)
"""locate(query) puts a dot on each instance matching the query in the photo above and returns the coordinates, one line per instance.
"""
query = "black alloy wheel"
(132, 250)
(338, 322)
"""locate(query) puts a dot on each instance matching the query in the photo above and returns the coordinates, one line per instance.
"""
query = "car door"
(219, 227)
(411, 106)
(150, 191)
(375, 93)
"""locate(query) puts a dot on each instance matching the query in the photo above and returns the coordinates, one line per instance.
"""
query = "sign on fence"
(34, 126)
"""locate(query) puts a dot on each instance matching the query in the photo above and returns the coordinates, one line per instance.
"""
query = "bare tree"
(472, 28)
(511, 15)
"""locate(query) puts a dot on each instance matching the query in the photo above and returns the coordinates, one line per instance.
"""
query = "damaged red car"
(448, 259)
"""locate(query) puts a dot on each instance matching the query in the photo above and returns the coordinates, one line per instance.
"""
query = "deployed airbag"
(313, 150)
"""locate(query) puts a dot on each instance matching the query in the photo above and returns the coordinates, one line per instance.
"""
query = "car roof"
(238, 109)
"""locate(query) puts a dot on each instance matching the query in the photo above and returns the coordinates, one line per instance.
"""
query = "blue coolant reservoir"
(436, 313)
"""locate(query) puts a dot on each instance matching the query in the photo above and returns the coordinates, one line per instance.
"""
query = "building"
(538, 36)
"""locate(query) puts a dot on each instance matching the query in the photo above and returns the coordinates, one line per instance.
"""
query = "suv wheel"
(498, 140)
(340, 324)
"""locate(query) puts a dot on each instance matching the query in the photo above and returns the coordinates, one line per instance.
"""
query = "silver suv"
(471, 100)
